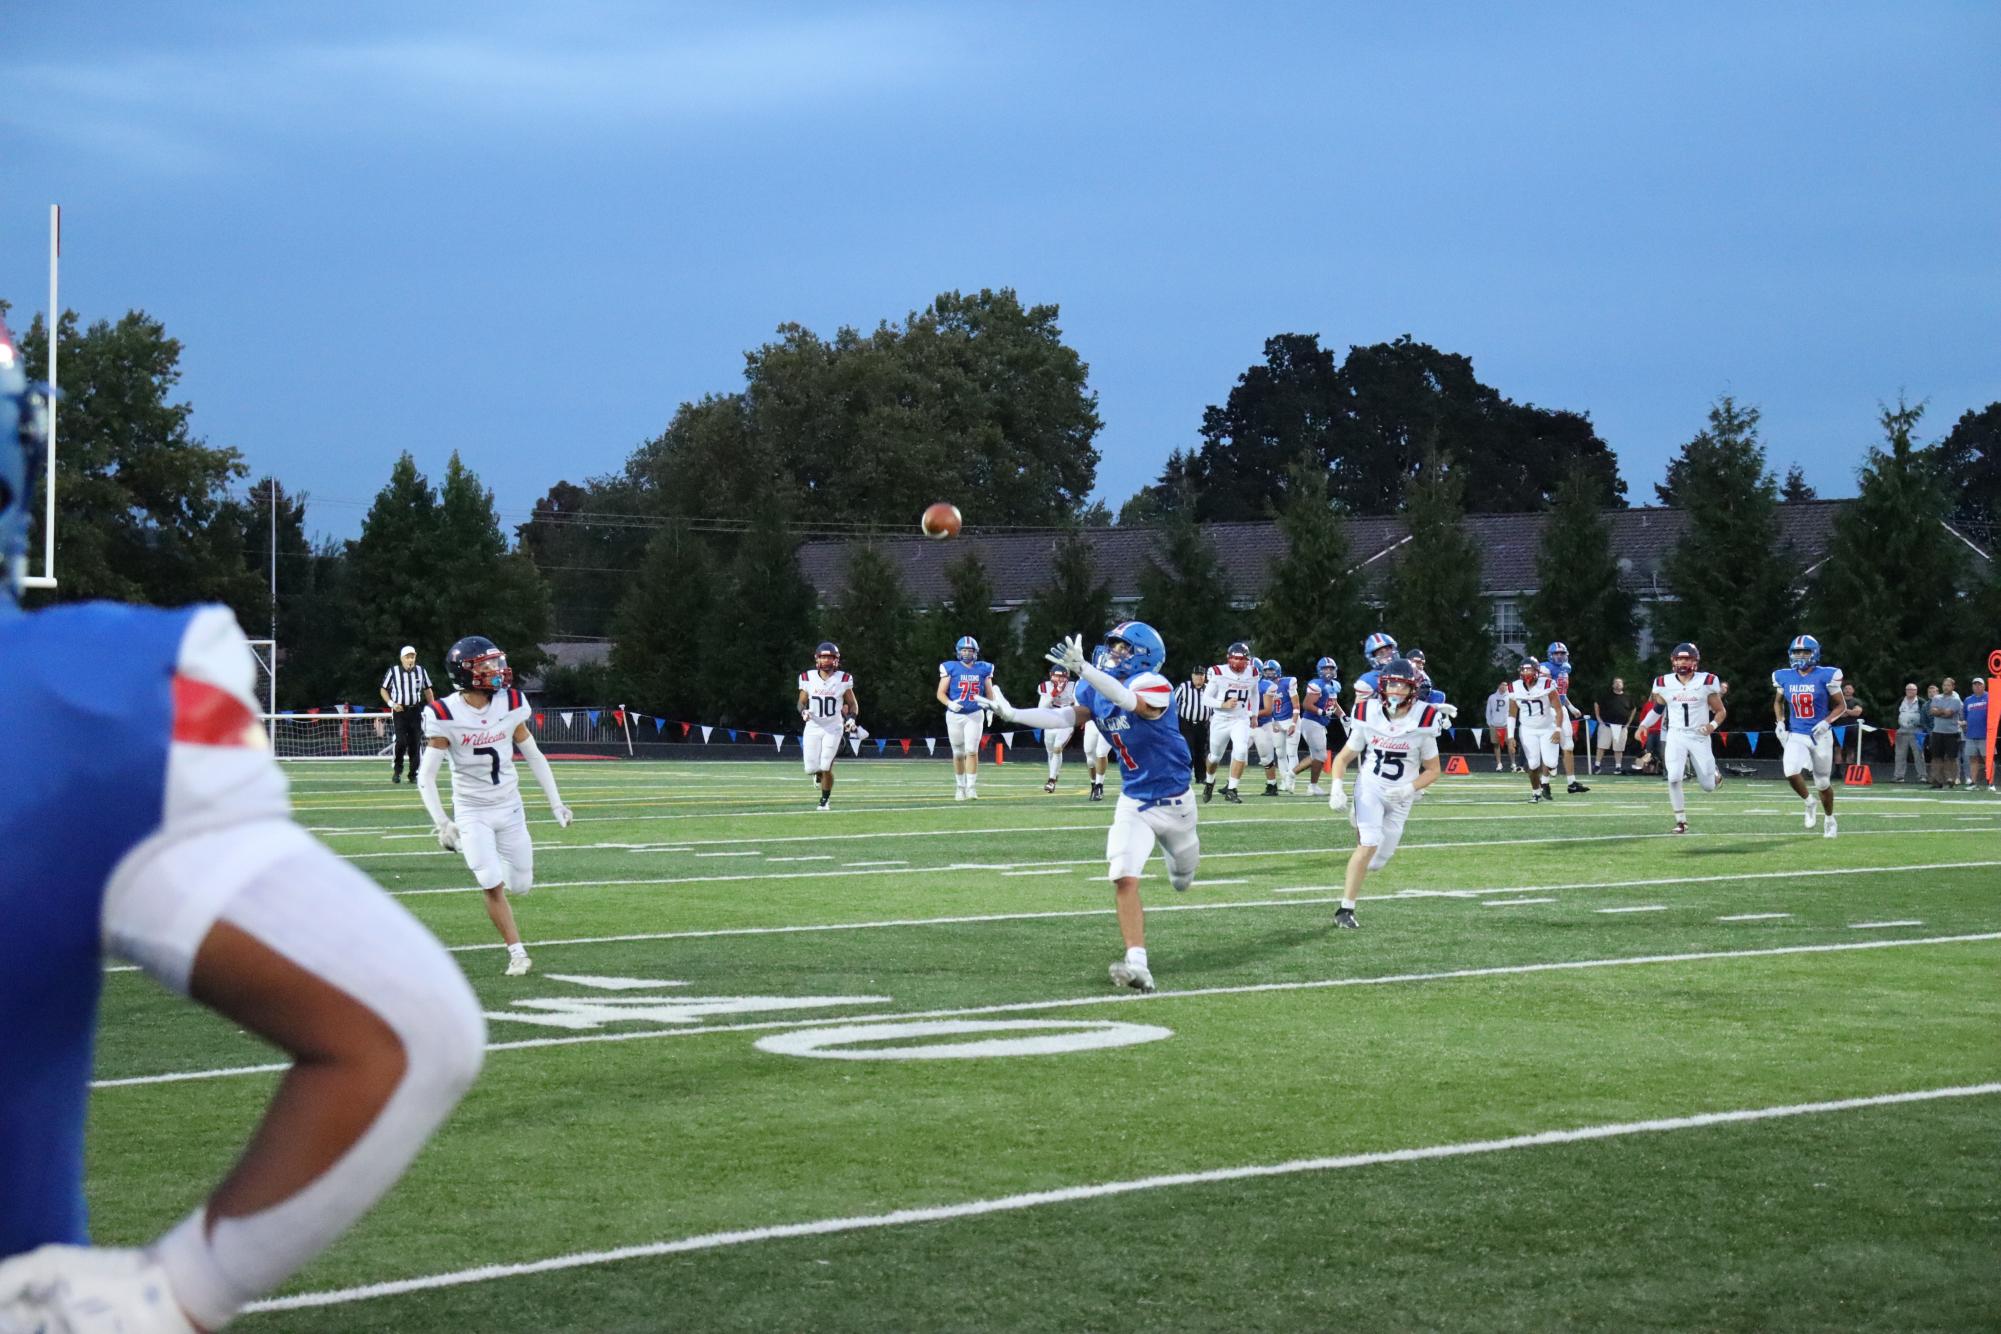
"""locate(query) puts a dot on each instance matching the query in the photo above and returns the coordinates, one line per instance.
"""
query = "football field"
(862, 1070)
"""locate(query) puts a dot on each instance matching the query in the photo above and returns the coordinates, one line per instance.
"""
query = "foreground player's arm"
(427, 790)
(1718, 711)
(944, 680)
(545, 777)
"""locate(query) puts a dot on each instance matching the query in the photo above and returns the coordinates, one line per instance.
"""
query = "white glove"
(1337, 798)
(85, 1290)
(1069, 655)
(448, 836)
(849, 725)
(1821, 729)
(1399, 794)
(563, 816)
(1451, 711)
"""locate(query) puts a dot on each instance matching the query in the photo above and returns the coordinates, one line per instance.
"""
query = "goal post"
(330, 735)
(266, 653)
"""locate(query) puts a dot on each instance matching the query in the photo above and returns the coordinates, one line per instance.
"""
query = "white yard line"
(1053, 870)
(821, 1227)
(1512, 903)
(1754, 917)
(1133, 998)
(1872, 926)
(1641, 907)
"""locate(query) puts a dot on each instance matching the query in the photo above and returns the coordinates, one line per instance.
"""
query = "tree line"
(687, 558)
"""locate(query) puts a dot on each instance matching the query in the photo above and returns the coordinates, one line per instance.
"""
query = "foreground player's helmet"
(1559, 653)
(1272, 671)
(968, 648)
(1397, 672)
(1688, 651)
(1379, 649)
(1238, 655)
(829, 650)
(1531, 669)
(476, 663)
(1145, 650)
(1804, 651)
(1326, 669)
(24, 428)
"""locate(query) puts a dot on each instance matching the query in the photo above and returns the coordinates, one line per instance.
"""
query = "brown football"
(940, 520)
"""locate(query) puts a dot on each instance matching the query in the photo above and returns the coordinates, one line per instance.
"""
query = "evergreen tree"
(1969, 462)
(1885, 602)
(1797, 489)
(1434, 595)
(661, 621)
(969, 610)
(1578, 598)
(763, 629)
(1184, 595)
(1073, 601)
(487, 589)
(1312, 604)
(393, 594)
(1730, 575)
(877, 631)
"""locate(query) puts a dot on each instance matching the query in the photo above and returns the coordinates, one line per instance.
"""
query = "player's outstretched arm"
(545, 777)
(427, 790)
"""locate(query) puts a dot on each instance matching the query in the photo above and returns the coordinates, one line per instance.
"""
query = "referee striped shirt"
(406, 685)
(1190, 703)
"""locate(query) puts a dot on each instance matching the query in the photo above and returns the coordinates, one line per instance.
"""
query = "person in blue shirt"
(1973, 754)
(1378, 650)
(1319, 706)
(1557, 659)
(1282, 724)
(963, 681)
(1807, 703)
(1133, 705)
(164, 837)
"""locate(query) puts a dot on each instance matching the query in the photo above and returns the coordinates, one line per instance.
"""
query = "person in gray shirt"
(1911, 722)
(1948, 713)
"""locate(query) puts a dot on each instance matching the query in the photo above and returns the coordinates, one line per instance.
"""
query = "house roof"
(1018, 561)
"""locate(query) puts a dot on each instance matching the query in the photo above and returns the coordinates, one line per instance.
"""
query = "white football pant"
(1690, 750)
(822, 747)
(1378, 823)
(1138, 825)
(1540, 748)
(1804, 753)
(1054, 740)
(965, 731)
(1229, 732)
(497, 848)
(1315, 735)
(1095, 745)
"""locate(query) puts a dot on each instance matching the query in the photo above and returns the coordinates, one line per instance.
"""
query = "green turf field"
(1573, 1072)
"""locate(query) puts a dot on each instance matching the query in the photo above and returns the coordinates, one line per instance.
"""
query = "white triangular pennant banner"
(778, 742)
(930, 745)
(1008, 738)
(566, 720)
(1476, 738)
(854, 744)
(705, 734)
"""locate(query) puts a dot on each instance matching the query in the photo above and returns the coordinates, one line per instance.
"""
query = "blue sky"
(529, 232)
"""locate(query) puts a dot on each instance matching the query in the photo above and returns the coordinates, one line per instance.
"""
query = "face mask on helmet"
(488, 672)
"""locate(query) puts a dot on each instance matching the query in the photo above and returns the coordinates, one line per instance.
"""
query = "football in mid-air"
(940, 520)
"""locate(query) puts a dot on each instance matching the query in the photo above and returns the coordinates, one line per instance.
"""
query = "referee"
(406, 687)
(1193, 709)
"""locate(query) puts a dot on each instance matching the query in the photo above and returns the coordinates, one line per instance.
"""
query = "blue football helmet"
(1558, 653)
(1271, 670)
(1379, 649)
(1145, 651)
(967, 649)
(1326, 669)
(477, 663)
(24, 435)
(1804, 652)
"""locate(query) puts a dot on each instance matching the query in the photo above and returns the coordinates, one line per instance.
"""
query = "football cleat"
(1049, 786)
(518, 965)
(1809, 812)
(1097, 792)
(1827, 828)
(1271, 789)
(959, 794)
(1345, 919)
(824, 799)
(1232, 796)
(1681, 826)
(1137, 976)
(1208, 791)
(1315, 790)
(1576, 786)
(1535, 797)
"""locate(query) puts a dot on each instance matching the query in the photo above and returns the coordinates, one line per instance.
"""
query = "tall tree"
(144, 503)
(1312, 603)
(1578, 598)
(1370, 420)
(1184, 594)
(587, 541)
(969, 610)
(1885, 602)
(1796, 488)
(1731, 576)
(762, 628)
(1434, 595)
(488, 589)
(1073, 600)
(1969, 462)
(658, 631)
(877, 631)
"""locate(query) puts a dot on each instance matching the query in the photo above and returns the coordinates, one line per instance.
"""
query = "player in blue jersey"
(1378, 650)
(1282, 722)
(166, 840)
(1319, 706)
(963, 681)
(1807, 703)
(1556, 660)
(1133, 704)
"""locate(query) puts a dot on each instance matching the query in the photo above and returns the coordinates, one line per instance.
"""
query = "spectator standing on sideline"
(1948, 715)
(1497, 724)
(1854, 720)
(1910, 726)
(406, 688)
(1973, 753)
(1191, 711)
(1613, 713)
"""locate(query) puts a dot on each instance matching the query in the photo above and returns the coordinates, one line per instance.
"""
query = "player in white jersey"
(1533, 708)
(828, 711)
(1691, 706)
(478, 727)
(1057, 693)
(1232, 693)
(1396, 738)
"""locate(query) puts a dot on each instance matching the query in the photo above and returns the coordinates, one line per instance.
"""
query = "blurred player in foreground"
(1806, 704)
(1395, 736)
(167, 841)
(1133, 706)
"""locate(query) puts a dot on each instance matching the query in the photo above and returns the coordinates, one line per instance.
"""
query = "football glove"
(849, 725)
(87, 1290)
(1337, 798)
(1821, 729)
(563, 816)
(1450, 711)
(448, 836)
(1399, 794)
(1069, 655)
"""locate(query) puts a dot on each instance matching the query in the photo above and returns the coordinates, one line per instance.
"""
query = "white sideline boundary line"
(1124, 998)
(821, 1227)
